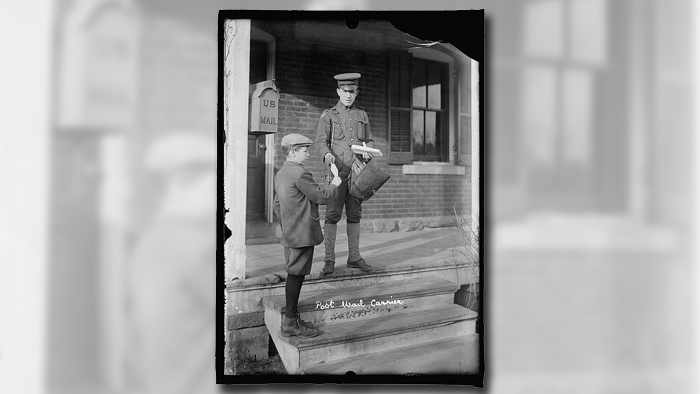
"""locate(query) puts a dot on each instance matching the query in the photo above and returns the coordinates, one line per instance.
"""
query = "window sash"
(432, 72)
(401, 93)
(422, 152)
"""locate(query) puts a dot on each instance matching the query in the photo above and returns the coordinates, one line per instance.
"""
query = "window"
(418, 105)
(576, 147)
(259, 53)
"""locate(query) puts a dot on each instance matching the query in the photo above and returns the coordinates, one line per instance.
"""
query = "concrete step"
(459, 355)
(352, 338)
(349, 303)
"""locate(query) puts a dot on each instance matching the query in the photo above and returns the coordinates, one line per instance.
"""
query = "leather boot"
(328, 267)
(361, 264)
(292, 328)
(304, 323)
(354, 242)
(329, 232)
(354, 258)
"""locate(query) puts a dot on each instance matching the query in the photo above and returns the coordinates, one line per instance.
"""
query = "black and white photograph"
(355, 249)
(328, 196)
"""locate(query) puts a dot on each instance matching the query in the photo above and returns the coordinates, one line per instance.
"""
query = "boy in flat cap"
(338, 129)
(297, 197)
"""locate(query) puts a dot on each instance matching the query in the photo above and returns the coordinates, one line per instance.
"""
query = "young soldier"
(297, 197)
(338, 129)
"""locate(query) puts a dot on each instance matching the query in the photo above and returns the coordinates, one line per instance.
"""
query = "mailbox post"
(264, 108)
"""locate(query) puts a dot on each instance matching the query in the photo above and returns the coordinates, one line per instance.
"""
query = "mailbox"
(264, 107)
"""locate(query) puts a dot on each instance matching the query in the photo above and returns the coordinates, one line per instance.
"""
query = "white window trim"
(432, 168)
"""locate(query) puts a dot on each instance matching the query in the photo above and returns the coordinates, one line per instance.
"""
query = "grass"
(234, 365)
(271, 366)
(467, 239)
(468, 234)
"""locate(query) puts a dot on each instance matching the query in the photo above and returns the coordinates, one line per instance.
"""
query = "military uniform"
(338, 129)
(356, 123)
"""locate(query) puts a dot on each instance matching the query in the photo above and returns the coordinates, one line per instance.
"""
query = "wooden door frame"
(269, 159)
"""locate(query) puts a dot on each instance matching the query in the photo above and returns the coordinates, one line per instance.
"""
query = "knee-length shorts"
(298, 260)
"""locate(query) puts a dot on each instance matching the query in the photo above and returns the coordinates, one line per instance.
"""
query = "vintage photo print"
(350, 218)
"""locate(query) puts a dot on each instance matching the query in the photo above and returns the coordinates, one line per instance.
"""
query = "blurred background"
(589, 141)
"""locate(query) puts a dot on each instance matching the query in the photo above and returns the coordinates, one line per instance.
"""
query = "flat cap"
(296, 140)
(348, 80)
(180, 149)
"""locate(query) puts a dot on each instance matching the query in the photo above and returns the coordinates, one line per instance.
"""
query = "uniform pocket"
(361, 127)
(338, 131)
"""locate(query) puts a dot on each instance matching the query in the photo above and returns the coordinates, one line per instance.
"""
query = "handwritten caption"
(360, 303)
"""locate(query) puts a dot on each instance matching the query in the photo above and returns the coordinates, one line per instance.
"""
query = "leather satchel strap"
(330, 130)
(330, 147)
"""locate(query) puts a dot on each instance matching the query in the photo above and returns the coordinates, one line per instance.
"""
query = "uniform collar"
(341, 106)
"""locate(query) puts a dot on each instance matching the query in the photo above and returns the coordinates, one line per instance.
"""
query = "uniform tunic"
(330, 124)
(297, 197)
(356, 123)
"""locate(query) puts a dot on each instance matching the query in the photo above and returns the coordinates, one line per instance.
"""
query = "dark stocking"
(292, 291)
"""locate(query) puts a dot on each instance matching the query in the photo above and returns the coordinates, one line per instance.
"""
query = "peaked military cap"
(296, 140)
(348, 80)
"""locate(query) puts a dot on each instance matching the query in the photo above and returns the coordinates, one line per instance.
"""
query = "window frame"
(443, 111)
(395, 70)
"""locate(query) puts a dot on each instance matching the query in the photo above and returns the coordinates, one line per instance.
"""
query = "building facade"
(426, 144)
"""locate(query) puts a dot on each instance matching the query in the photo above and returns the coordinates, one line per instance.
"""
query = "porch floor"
(384, 251)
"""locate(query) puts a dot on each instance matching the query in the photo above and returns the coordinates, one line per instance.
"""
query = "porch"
(386, 251)
(415, 258)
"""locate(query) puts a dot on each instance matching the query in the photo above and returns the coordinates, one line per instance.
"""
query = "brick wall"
(307, 87)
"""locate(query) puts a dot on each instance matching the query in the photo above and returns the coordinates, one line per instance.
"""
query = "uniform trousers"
(353, 206)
